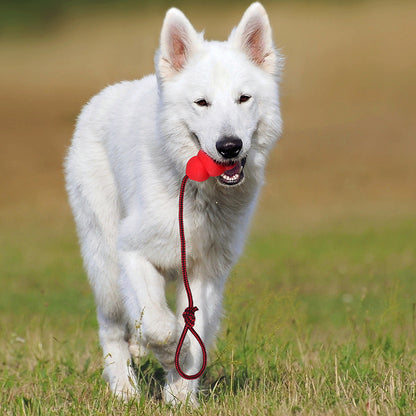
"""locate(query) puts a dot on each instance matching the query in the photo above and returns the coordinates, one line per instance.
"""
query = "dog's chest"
(208, 228)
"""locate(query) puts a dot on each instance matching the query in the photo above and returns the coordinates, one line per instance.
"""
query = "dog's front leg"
(154, 324)
(207, 294)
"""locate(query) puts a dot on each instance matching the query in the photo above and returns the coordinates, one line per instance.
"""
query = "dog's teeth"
(231, 178)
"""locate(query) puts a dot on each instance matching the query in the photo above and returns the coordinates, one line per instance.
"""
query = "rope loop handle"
(189, 313)
(189, 318)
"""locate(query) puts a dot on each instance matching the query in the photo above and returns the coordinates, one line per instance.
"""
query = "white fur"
(123, 172)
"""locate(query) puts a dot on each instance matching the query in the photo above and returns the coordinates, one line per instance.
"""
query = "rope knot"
(189, 316)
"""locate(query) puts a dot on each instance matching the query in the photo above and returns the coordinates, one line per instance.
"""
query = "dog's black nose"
(229, 146)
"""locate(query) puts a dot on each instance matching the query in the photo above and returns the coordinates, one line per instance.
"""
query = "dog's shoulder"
(118, 102)
(124, 92)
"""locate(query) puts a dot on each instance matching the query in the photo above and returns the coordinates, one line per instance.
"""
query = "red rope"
(189, 313)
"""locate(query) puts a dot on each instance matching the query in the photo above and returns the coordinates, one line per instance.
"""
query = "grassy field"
(320, 311)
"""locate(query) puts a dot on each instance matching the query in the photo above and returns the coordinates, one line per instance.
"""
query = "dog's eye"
(202, 102)
(243, 98)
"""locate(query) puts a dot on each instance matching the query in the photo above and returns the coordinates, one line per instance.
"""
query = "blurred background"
(348, 98)
(347, 158)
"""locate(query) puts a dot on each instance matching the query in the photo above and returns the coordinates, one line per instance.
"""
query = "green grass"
(318, 322)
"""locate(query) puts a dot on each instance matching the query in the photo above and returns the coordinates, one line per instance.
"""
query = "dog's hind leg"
(93, 197)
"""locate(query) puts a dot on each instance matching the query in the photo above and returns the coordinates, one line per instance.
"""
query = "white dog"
(123, 174)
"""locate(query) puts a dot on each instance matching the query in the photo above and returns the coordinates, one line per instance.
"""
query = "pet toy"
(199, 168)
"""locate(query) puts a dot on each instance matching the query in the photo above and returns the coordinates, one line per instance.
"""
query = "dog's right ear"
(178, 42)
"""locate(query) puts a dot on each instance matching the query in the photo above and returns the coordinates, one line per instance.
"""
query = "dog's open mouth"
(234, 175)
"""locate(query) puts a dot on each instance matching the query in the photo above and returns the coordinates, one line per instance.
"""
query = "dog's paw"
(123, 383)
(126, 393)
(165, 351)
(179, 394)
(163, 341)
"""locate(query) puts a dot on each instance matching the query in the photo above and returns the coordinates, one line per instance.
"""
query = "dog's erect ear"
(253, 36)
(178, 41)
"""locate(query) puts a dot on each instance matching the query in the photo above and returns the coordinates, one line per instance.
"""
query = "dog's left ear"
(178, 41)
(253, 36)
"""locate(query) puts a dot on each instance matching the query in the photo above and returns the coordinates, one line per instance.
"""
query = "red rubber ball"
(196, 171)
(212, 167)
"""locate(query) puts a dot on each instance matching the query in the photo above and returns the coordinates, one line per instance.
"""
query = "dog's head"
(221, 97)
